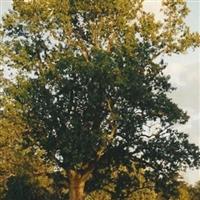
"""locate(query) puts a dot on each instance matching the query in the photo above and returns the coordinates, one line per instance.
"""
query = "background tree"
(184, 192)
(18, 164)
(194, 191)
(23, 173)
(91, 89)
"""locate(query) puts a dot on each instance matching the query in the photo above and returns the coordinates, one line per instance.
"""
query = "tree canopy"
(90, 87)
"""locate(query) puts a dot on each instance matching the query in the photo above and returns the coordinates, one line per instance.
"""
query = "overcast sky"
(185, 75)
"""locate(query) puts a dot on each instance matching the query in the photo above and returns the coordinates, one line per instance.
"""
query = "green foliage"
(22, 169)
(194, 191)
(91, 91)
(25, 187)
(20, 188)
(184, 192)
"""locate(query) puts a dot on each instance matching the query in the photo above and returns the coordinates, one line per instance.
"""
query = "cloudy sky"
(185, 75)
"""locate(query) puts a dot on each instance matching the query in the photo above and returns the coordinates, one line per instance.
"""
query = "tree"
(12, 156)
(22, 171)
(19, 164)
(194, 191)
(28, 187)
(184, 192)
(91, 89)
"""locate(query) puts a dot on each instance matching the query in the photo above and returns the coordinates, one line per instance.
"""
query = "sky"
(185, 75)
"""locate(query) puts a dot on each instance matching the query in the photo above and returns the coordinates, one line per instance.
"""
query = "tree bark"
(76, 187)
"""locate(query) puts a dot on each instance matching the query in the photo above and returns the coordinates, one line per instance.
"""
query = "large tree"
(90, 84)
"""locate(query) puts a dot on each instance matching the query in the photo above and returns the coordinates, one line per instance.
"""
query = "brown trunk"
(76, 187)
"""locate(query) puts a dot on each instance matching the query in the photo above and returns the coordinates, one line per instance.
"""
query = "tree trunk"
(76, 187)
